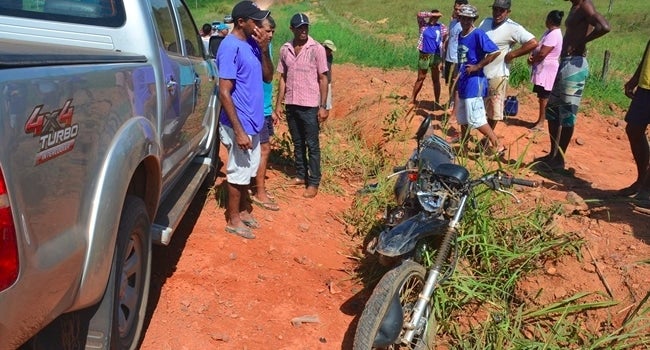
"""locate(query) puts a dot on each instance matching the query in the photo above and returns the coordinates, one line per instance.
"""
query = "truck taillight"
(8, 244)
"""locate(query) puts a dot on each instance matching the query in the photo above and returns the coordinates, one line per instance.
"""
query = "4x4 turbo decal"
(54, 129)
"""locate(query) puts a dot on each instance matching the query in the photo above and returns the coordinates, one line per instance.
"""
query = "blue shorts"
(639, 111)
(267, 130)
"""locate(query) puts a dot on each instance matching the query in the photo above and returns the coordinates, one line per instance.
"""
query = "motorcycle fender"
(402, 238)
(391, 325)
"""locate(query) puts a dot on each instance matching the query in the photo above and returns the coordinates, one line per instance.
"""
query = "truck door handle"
(171, 85)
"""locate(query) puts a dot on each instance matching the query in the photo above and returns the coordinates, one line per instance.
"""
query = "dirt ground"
(213, 290)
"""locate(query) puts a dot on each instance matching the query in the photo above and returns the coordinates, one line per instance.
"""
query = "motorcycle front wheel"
(377, 327)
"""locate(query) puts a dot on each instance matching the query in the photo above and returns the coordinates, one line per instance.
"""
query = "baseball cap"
(222, 26)
(436, 13)
(299, 19)
(248, 9)
(330, 45)
(504, 4)
(468, 11)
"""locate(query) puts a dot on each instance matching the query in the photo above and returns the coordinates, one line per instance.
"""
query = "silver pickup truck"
(108, 115)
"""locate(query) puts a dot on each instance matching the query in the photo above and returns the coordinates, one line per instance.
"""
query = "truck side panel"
(62, 127)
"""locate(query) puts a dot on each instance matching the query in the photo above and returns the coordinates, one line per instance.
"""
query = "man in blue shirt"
(244, 61)
(475, 51)
(432, 35)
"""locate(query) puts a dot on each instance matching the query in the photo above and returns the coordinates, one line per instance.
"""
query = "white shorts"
(471, 111)
(242, 164)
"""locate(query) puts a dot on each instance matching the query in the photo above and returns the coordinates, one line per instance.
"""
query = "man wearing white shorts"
(244, 61)
(475, 50)
(471, 112)
(242, 163)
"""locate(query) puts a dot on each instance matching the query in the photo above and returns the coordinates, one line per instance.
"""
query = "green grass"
(368, 33)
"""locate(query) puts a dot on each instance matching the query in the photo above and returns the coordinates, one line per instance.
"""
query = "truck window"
(194, 44)
(107, 13)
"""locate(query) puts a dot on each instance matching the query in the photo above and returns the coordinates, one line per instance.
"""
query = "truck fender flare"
(136, 145)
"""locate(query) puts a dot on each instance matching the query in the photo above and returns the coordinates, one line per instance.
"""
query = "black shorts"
(639, 111)
(541, 93)
(451, 72)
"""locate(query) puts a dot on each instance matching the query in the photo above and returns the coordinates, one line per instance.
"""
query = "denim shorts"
(267, 129)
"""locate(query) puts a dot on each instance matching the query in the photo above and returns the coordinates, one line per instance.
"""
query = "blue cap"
(222, 26)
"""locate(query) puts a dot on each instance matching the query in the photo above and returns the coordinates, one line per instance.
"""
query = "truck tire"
(128, 289)
(116, 321)
(406, 281)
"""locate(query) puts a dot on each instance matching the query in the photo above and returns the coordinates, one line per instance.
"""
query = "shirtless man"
(583, 24)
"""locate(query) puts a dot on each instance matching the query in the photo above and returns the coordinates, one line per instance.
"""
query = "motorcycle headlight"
(431, 201)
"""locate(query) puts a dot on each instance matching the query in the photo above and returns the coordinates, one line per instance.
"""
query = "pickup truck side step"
(171, 211)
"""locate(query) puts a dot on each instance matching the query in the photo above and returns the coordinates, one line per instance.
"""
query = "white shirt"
(505, 36)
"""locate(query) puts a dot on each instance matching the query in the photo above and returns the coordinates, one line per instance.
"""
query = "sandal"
(252, 223)
(629, 190)
(496, 153)
(243, 232)
(265, 205)
(643, 195)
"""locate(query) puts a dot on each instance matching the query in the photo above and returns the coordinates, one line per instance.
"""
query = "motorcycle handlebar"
(523, 182)
(398, 169)
(496, 181)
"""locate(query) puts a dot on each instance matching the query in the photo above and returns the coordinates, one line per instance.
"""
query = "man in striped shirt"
(302, 89)
(432, 35)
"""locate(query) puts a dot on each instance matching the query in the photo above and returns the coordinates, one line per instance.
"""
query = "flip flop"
(243, 232)
(496, 153)
(628, 191)
(265, 205)
(252, 223)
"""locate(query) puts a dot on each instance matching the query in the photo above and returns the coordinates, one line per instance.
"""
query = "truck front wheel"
(116, 322)
(119, 317)
(128, 288)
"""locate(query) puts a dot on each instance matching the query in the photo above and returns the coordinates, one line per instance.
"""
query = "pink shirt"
(544, 72)
(302, 72)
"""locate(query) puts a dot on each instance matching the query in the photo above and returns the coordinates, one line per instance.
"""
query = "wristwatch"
(323, 106)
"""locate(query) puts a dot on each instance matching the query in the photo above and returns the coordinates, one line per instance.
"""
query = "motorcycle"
(431, 194)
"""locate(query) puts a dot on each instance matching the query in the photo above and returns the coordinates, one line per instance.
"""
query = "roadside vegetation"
(382, 35)
(501, 243)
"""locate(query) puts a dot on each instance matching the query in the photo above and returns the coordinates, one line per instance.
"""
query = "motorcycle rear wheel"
(407, 280)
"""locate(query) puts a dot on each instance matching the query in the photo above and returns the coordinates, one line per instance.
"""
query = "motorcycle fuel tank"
(402, 238)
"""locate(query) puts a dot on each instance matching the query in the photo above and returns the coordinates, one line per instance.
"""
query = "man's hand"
(471, 68)
(276, 116)
(323, 114)
(243, 141)
(262, 37)
(630, 87)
